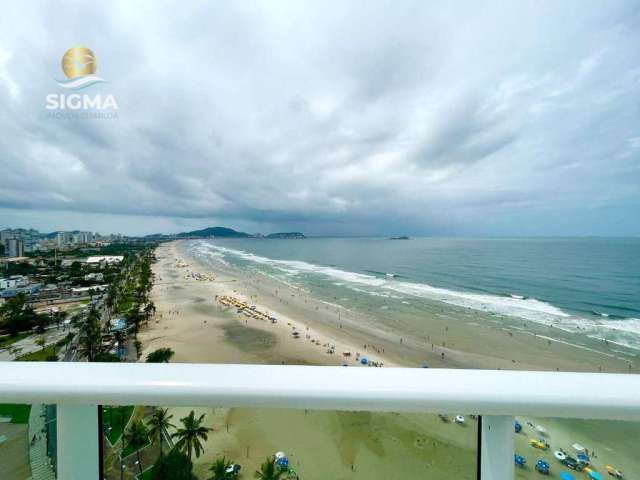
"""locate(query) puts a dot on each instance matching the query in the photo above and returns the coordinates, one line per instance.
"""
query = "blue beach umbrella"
(566, 476)
(595, 475)
(518, 427)
(519, 460)
(364, 360)
(542, 466)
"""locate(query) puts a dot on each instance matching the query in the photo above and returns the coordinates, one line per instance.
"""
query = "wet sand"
(337, 444)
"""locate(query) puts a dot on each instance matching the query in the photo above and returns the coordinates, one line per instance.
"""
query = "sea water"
(586, 285)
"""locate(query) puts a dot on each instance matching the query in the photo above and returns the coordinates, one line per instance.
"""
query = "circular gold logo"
(78, 62)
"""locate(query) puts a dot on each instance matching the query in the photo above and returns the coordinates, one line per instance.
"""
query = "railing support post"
(78, 457)
(496, 450)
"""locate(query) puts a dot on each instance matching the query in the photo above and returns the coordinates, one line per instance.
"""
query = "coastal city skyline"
(472, 119)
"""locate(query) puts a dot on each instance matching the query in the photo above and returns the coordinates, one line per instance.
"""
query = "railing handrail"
(486, 392)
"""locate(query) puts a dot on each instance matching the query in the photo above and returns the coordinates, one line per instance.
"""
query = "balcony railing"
(77, 389)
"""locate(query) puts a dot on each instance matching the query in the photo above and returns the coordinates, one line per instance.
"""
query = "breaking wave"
(623, 331)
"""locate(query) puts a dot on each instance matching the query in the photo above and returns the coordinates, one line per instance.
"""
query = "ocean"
(590, 286)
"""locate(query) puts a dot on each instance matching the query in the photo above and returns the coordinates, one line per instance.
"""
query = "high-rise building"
(64, 238)
(6, 234)
(14, 247)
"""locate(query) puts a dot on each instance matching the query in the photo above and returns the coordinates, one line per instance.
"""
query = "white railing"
(496, 395)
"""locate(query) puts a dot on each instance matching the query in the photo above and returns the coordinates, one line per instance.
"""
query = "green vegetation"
(106, 357)
(190, 436)
(8, 341)
(161, 355)
(159, 422)
(131, 448)
(147, 474)
(116, 418)
(16, 316)
(175, 466)
(19, 413)
(269, 470)
(91, 335)
(137, 438)
(20, 268)
(219, 470)
(47, 354)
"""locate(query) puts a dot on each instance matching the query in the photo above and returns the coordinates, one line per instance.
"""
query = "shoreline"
(200, 330)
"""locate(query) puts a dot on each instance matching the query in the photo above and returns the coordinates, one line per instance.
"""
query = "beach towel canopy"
(583, 457)
(566, 476)
(595, 475)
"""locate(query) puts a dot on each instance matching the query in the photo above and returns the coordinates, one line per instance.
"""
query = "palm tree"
(158, 425)
(137, 437)
(149, 311)
(91, 335)
(191, 435)
(134, 318)
(219, 469)
(269, 470)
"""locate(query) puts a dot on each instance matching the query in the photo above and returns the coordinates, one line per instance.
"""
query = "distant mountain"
(215, 232)
(296, 235)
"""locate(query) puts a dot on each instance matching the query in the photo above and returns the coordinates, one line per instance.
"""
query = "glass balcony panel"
(575, 448)
(28, 442)
(316, 444)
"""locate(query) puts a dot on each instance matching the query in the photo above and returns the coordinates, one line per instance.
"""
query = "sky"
(327, 117)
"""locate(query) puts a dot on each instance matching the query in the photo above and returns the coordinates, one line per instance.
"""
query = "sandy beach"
(192, 321)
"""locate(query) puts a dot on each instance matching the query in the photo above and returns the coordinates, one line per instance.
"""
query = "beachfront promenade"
(496, 395)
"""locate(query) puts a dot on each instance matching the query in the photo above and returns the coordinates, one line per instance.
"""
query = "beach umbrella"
(518, 427)
(566, 476)
(519, 460)
(364, 360)
(594, 475)
(560, 455)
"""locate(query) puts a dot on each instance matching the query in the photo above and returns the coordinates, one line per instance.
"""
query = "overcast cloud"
(362, 117)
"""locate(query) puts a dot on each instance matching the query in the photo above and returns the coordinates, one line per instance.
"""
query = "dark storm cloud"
(330, 117)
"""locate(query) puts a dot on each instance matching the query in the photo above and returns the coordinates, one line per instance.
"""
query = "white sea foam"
(625, 332)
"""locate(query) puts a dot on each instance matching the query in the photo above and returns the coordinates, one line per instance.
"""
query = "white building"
(15, 281)
(98, 277)
(105, 259)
